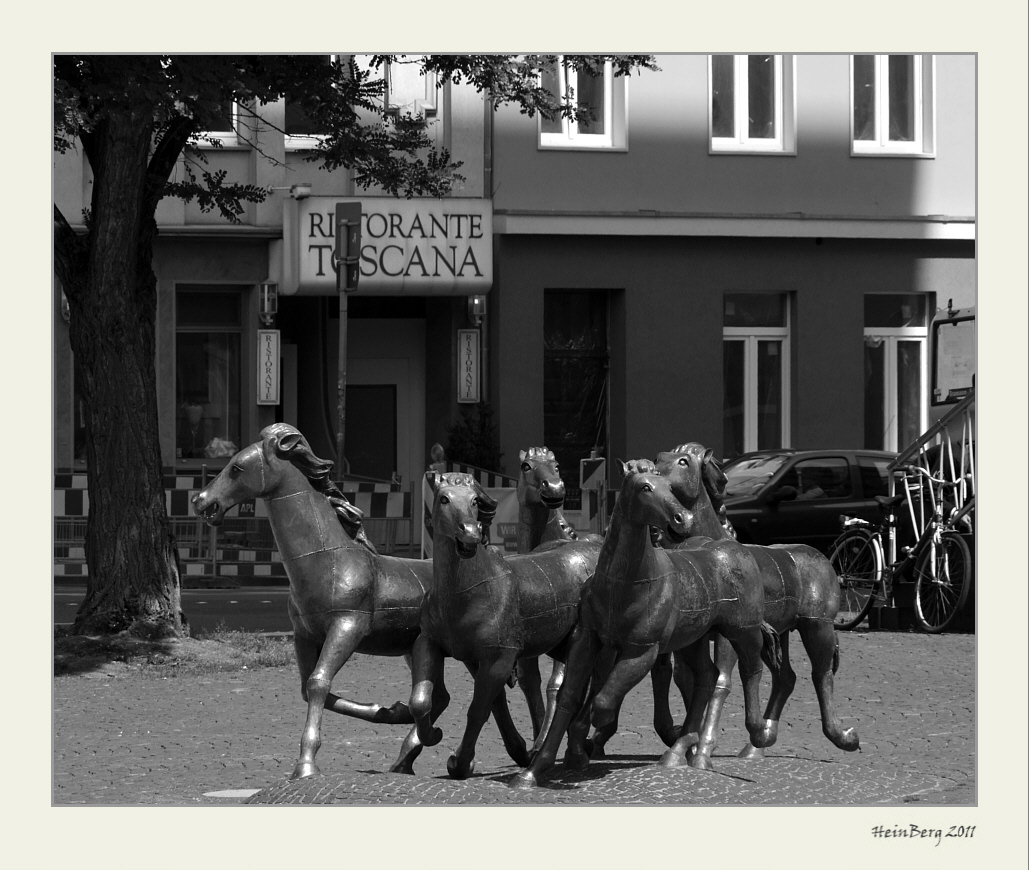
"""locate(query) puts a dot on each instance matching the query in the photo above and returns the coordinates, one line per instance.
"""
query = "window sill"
(752, 152)
(622, 149)
(916, 155)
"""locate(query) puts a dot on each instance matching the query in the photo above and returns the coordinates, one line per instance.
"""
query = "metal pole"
(341, 384)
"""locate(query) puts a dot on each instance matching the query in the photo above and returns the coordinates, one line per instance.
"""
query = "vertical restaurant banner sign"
(468, 365)
(421, 247)
(267, 367)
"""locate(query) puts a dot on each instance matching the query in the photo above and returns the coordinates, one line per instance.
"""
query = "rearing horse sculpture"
(801, 592)
(644, 601)
(486, 610)
(343, 596)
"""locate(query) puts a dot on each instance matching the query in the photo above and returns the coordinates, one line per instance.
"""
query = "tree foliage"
(140, 122)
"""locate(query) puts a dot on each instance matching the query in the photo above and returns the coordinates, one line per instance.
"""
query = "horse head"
(461, 510)
(282, 459)
(539, 480)
(646, 499)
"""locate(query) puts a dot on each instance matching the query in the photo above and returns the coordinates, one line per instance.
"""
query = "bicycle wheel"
(857, 560)
(943, 575)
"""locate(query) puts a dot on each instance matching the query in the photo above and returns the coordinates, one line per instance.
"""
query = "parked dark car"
(796, 496)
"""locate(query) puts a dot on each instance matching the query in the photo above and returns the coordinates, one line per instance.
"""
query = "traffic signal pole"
(346, 260)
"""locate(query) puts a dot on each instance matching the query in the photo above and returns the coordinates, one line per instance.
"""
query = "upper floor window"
(302, 131)
(750, 103)
(892, 98)
(223, 124)
(603, 95)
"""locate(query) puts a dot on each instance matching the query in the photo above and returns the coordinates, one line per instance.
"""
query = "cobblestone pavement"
(121, 738)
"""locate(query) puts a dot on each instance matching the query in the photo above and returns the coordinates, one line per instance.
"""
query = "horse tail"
(836, 656)
(771, 648)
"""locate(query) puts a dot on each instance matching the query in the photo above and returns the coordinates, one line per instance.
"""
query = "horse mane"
(539, 454)
(318, 472)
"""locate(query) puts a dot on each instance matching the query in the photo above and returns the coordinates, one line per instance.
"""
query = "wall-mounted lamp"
(269, 305)
(65, 308)
(300, 190)
(476, 309)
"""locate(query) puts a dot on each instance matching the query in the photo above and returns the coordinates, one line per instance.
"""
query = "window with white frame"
(755, 370)
(892, 99)
(603, 95)
(896, 369)
(750, 103)
(302, 131)
(224, 124)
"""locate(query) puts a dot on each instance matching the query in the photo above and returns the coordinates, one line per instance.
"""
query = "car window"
(874, 475)
(824, 478)
(746, 475)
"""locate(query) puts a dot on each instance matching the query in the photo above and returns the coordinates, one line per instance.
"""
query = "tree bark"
(133, 583)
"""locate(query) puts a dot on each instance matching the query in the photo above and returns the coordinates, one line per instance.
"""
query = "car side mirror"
(783, 493)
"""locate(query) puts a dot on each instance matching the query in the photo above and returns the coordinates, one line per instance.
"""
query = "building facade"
(742, 250)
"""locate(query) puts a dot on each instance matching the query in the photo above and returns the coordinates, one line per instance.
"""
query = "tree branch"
(69, 253)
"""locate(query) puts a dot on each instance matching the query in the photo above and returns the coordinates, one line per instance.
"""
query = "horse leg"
(593, 746)
(696, 739)
(626, 673)
(426, 673)
(344, 634)
(781, 691)
(822, 645)
(583, 650)
(708, 720)
(683, 678)
(661, 681)
(514, 743)
(582, 748)
(751, 646)
(490, 676)
(411, 748)
(530, 682)
(557, 676)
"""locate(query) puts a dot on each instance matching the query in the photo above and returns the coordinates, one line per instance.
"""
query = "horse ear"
(624, 468)
(433, 479)
(713, 473)
(521, 455)
(286, 443)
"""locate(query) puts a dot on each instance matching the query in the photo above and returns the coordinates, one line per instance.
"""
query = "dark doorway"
(575, 365)
(371, 435)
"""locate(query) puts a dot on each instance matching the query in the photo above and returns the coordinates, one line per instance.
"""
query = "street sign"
(347, 253)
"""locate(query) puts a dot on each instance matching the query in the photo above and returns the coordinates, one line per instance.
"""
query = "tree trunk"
(133, 582)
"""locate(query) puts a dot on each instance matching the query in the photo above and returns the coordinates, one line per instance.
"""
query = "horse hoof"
(303, 770)
(402, 768)
(849, 741)
(671, 759)
(751, 753)
(700, 762)
(458, 770)
(522, 781)
(766, 735)
(398, 714)
(576, 760)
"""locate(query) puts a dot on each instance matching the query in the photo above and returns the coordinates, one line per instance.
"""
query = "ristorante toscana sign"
(416, 246)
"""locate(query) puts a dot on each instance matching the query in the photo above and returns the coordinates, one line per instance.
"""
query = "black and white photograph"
(571, 437)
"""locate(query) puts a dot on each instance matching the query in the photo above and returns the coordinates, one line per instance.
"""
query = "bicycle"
(940, 561)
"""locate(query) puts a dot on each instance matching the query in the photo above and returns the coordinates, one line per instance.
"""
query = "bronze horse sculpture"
(643, 601)
(541, 522)
(344, 597)
(486, 610)
(801, 592)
